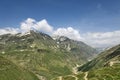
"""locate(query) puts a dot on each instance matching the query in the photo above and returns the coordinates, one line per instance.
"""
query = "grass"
(9, 71)
(40, 54)
(108, 73)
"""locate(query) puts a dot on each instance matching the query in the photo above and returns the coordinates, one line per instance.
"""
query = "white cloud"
(43, 26)
(9, 31)
(31, 24)
(96, 39)
(102, 39)
(27, 25)
(68, 32)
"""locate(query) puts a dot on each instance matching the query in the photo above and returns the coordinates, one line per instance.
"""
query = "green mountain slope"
(81, 50)
(106, 58)
(105, 67)
(43, 56)
(9, 71)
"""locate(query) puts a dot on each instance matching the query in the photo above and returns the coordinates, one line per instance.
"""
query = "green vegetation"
(103, 60)
(108, 73)
(46, 58)
(105, 67)
(9, 71)
(37, 55)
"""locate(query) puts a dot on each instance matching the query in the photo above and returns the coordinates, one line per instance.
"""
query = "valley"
(59, 39)
(43, 56)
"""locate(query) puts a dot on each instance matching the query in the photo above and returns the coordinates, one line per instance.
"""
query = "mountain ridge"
(106, 66)
(42, 55)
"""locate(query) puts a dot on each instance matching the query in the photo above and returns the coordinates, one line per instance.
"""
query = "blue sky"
(83, 17)
(86, 15)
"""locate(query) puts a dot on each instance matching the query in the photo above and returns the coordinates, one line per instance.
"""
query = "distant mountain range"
(39, 55)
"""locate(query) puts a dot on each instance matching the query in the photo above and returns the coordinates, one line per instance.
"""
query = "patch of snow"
(62, 39)
(68, 47)
(3, 52)
(13, 41)
(58, 42)
(22, 50)
(31, 46)
(27, 33)
(23, 34)
(57, 46)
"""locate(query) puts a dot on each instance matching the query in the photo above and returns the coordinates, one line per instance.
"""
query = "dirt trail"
(113, 62)
(85, 77)
(60, 77)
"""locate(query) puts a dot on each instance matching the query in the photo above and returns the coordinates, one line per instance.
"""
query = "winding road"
(85, 77)
(60, 77)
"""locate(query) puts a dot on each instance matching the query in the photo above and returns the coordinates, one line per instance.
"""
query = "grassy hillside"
(43, 56)
(105, 59)
(104, 67)
(9, 71)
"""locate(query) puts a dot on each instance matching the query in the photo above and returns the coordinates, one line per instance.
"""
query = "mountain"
(9, 71)
(104, 59)
(45, 57)
(105, 67)
(78, 48)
